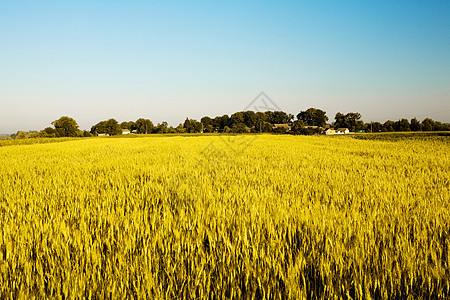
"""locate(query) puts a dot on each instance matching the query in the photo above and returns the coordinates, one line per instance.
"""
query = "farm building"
(330, 131)
(281, 126)
(126, 131)
(342, 131)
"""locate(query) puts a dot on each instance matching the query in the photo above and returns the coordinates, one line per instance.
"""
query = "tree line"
(310, 121)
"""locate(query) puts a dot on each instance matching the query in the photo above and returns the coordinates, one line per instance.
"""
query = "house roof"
(281, 125)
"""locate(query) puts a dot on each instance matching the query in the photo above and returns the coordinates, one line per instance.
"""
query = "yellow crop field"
(269, 216)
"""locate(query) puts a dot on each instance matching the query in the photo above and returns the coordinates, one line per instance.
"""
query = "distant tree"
(260, 120)
(415, 125)
(66, 127)
(206, 121)
(351, 120)
(313, 117)
(237, 118)
(280, 117)
(110, 127)
(162, 128)
(249, 118)
(267, 127)
(208, 128)
(239, 128)
(127, 125)
(143, 126)
(21, 135)
(428, 125)
(402, 125)
(50, 132)
(180, 129)
(298, 126)
(86, 133)
(389, 126)
(224, 121)
(376, 127)
(216, 122)
(113, 127)
(99, 128)
(193, 126)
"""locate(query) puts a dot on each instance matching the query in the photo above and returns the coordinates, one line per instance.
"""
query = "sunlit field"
(226, 217)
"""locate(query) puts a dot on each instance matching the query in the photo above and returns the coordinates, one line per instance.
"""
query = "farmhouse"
(330, 131)
(126, 131)
(342, 131)
(282, 126)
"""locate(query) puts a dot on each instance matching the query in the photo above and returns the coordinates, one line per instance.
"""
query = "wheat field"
(240, 217)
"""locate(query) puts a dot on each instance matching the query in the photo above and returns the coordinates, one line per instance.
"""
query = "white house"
(330, 131)
(126, 131)
(342, 131)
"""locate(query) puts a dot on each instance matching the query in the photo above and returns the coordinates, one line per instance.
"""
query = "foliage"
(109, 127)
(143, 126)
(313, 117)
(298, 126)
(66, 127)
(192, 126)
(351, 120)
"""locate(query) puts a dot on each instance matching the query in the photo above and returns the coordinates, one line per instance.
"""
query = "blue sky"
(168, 60)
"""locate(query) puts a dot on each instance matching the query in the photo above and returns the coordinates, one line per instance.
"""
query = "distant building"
(330, 131)
(102, 134)
(282, 126)
(342, 131)
(126, 131)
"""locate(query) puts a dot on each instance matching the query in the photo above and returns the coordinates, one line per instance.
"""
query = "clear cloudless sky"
(168, 60)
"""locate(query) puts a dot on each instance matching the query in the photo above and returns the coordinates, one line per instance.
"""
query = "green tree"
(249, 118)
(313, 117)
(428, 124)
(237, 118)
(66, 127)
(415, 125)
(298, 126)
(113, 127)
(280, 117)
(143, 126)
(110, 127)
(208, 128)
(86, 133)
(193, 126)
(206, 121)
(162, 128)
(180, 129)
(351, 120)
(388, 126)
(127, 125)
(239, 128)
(99, 128)
(49, 132)
(402, 125)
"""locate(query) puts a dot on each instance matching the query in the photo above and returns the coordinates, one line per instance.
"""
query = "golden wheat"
(225, 217)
